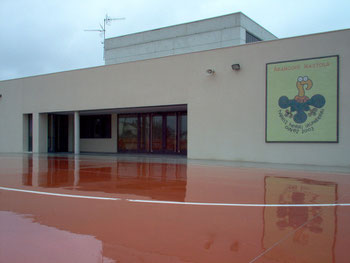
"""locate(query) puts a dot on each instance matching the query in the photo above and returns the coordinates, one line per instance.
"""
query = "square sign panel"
(302, 100)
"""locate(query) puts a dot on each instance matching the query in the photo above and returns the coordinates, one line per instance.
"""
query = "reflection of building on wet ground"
(160, 181)
(195, 233)
(196, 89)
(322, 222)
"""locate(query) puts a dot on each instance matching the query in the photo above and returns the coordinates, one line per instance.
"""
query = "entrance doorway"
(164, 132)
(30, 132)
(58, 133)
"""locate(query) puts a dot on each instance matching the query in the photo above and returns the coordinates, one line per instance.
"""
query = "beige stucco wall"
(11, 120)
(226, 112)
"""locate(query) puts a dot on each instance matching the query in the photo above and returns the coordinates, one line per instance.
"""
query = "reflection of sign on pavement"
(315, 239)
(302, 100)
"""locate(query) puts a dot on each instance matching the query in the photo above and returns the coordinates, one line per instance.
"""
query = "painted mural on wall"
(302, 100)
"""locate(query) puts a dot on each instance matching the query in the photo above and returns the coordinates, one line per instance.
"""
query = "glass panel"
(95, 126)
(183, 133)
(171, 132)
(127, 133)
(144, 133)
(147, 132)
(157, 133)
(102, 126)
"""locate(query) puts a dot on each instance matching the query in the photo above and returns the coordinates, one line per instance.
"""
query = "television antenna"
(106, 21)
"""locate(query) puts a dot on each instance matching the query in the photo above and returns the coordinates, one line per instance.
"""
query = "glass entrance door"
(57, 133)
(144, 133)
(164, 132)
(157, 133)
(128, 133)
(170, 136)
(182, 128)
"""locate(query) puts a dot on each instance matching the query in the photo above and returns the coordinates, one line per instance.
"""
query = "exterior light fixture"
(210, 71)
(0, 96)
(236, 67)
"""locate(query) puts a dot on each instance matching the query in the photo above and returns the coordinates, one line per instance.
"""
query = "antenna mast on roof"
(106, 21)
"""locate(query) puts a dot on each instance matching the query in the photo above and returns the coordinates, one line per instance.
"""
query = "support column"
(43, 132)
(76, 132)
(39, 132)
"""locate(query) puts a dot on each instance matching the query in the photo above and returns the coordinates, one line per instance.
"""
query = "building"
(218, 32)
(277, 101)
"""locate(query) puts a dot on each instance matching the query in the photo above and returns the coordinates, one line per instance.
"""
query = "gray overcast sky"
(45, 36)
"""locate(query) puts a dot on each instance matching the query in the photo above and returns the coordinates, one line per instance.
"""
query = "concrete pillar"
(76, 132)
(39, 132)
(43, 132)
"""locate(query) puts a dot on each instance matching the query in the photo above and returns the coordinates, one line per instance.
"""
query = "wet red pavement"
(182, 213)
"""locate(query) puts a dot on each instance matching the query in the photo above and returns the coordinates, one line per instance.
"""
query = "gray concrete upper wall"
(218, 32)
(179, 45)
(255, 29)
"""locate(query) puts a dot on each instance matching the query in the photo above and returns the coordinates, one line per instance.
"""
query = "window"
(249, 38)
(128, 133)
(95, 126)
(158, 132)
(183, 132)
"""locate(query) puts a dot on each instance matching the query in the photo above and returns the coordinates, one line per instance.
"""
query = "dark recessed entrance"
(164, 132)
(57, 133)
(30, 132)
